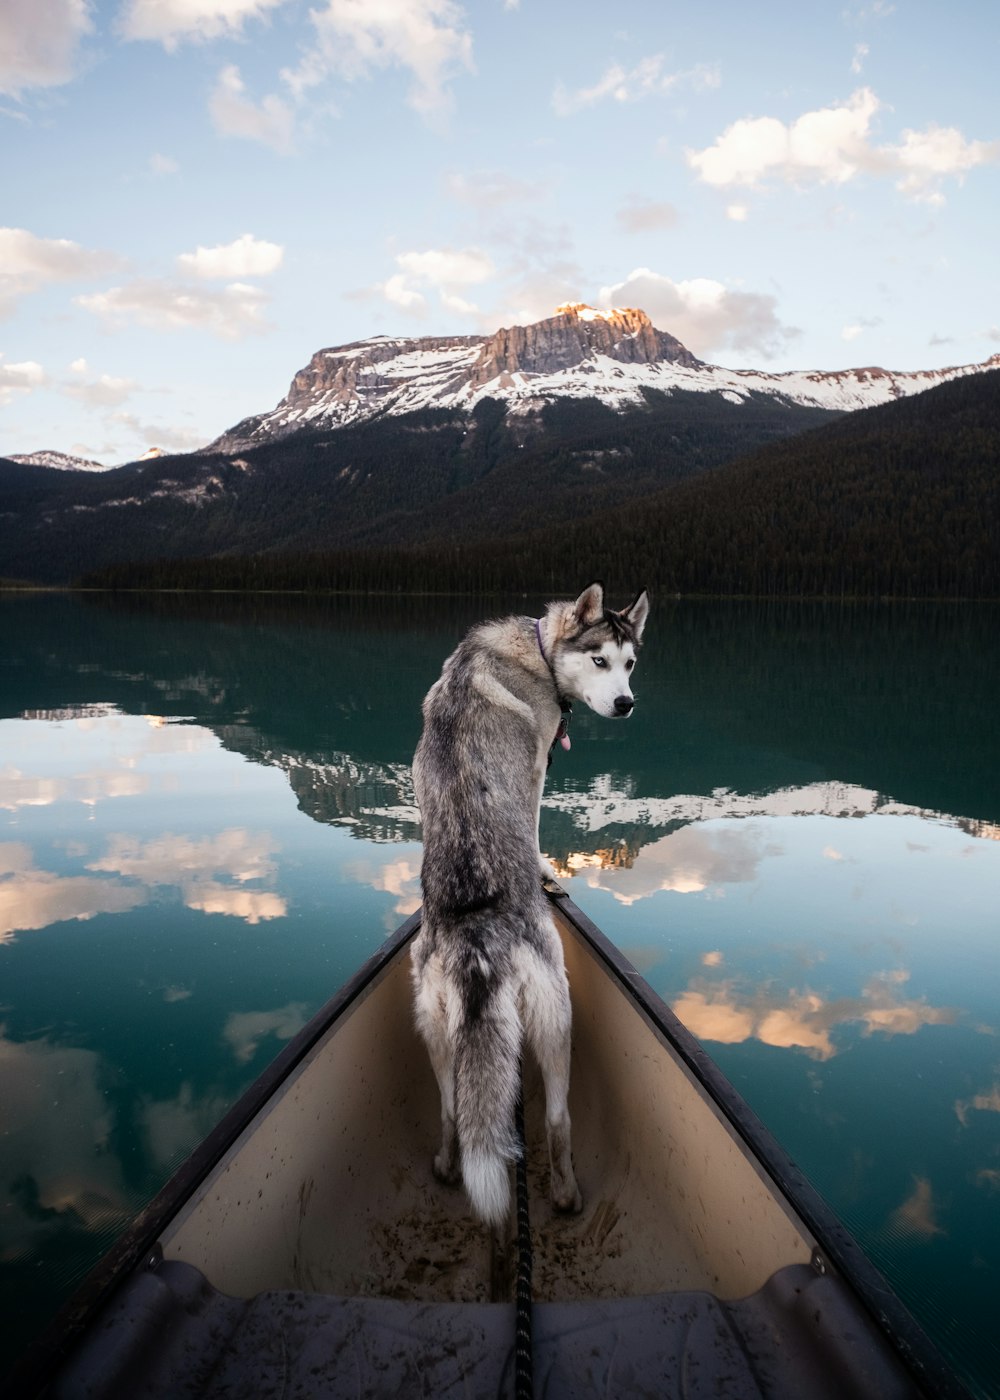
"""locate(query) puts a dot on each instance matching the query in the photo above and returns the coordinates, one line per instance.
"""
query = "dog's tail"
(487, 1070)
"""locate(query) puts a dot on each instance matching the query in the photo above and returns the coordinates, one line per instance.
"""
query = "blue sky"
(195, 195)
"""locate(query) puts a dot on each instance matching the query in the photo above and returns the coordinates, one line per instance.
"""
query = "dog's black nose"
(623, 704)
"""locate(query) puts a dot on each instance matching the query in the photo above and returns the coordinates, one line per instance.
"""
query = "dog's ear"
(636, 613)
(589, 607)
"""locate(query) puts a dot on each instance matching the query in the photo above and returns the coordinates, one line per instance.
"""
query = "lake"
(208, 824)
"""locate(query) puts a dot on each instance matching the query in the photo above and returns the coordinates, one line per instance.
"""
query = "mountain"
(463, 440)
(387, 479)
(61, 461)
(613, 357)
(902, 500)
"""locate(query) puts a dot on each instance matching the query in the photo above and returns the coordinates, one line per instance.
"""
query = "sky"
(197, 195)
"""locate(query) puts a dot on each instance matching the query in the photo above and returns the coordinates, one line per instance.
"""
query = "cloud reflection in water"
(194, 866)
(803, 1020)
(31, 898)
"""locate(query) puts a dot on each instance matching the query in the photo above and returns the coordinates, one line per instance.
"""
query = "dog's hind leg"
(446, 1166)
(548, 1021)
(430, 1005)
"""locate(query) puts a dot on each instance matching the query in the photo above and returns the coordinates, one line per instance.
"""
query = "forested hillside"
(393, 480)
(901, 500)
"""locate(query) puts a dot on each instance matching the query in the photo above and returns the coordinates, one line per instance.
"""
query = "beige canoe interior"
(330, 1189)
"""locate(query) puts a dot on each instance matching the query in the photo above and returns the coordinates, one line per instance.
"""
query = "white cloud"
(447, 267)
(459, 304)
(492, 189)
(425, 38)
(646, 79)
(163, 165)
(245, 257)
(739, 213)
(858, 327)
(832, 145)
(20, 378)
(702, 313)
(860, 54)
(170, 22)
(396, 291)
(231, 312)
(104, 391)
(829, 145)
(925, 157)
(39, 41)
(171, 439)
(446, 270)
(28, 262)
(271, 122)
(641, 216)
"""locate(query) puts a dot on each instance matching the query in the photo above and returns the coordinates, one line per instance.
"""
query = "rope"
(524, 1387)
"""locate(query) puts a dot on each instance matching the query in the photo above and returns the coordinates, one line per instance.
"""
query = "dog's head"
(592, 650)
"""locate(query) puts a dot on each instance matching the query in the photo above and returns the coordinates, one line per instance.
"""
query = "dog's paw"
(545, 869)
(446, 1169)
(568, 1202)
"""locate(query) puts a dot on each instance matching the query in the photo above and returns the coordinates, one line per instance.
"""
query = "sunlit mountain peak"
(583, 312)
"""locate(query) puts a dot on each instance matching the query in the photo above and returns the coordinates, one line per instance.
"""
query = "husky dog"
(488, 964)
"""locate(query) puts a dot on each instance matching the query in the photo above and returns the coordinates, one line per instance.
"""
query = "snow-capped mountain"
(613, 356)
(62, 461)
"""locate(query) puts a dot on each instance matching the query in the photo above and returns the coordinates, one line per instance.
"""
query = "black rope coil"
(524, 1382)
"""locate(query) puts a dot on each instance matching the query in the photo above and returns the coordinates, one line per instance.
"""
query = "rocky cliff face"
(574, 335)
(390, 374)
(615, 356)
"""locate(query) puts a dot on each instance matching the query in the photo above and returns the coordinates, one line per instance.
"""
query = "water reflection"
(170, 1126)
(687, 861)
(918, 1213)
(245, 1030)
(801, 1019)
(57, 1167)
(795, 838)
(197, 868)
(31, 898)
(988, 1102)
(400, 878)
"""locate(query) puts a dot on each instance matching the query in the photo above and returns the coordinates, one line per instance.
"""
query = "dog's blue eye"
(600, 661)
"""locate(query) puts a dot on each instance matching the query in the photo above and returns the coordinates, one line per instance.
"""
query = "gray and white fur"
(487, 963)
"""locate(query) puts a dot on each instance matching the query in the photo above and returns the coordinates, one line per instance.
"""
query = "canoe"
(305, 1249)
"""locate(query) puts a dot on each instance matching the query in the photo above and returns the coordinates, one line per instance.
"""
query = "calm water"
(208, 823)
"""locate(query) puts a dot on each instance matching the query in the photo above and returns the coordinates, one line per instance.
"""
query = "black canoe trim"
(839, 1250)
(138, 1243)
